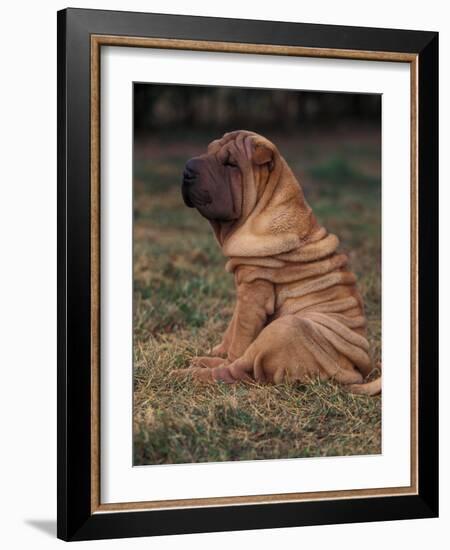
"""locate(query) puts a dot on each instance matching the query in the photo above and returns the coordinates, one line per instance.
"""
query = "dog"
(298, 313)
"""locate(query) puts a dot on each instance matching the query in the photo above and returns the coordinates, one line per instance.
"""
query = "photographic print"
(256, 274)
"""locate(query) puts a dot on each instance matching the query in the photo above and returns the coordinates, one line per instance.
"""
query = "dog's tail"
(366, 388)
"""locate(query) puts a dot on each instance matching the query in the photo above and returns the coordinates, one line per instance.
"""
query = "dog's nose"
(190, 175)
(189, 178)
(192, 167)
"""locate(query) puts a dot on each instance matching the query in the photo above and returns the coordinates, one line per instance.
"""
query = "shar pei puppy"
(298, 313)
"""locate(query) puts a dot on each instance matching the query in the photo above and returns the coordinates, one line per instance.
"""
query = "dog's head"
(244, 187)
(236, 165)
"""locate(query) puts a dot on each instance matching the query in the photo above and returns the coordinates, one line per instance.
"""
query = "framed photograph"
(247, 255)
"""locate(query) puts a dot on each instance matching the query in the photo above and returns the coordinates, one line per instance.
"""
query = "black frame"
(75, 521)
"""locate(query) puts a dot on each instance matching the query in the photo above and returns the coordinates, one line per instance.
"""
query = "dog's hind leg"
(236, 371)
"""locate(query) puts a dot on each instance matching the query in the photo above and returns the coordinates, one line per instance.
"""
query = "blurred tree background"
(205, 108)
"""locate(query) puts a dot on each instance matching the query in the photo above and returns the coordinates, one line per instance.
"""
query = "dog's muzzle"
(193, 195)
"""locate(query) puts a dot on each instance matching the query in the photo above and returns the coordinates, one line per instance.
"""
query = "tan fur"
(298, 313)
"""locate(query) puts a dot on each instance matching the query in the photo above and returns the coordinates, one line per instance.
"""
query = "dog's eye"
(230, 162)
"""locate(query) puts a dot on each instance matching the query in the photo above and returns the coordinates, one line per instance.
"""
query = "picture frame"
(81, 36)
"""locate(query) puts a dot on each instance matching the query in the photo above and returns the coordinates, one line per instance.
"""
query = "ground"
(183, 301)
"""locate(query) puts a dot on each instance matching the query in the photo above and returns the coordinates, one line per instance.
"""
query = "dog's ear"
(263, 154)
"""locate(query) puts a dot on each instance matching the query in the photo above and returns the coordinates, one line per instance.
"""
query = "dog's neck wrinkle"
(222, 229)
(320, 245)
(312, 249)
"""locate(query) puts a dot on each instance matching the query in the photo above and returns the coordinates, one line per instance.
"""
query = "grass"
(183, 301)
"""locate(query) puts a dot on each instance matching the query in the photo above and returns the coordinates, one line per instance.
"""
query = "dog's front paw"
(220, 350)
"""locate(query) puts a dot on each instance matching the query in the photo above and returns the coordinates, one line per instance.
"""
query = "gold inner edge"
(103, 40)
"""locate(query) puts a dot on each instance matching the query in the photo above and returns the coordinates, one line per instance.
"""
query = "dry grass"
(183, 300)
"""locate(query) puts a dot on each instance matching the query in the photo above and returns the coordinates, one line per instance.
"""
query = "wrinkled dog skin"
(298, 314)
